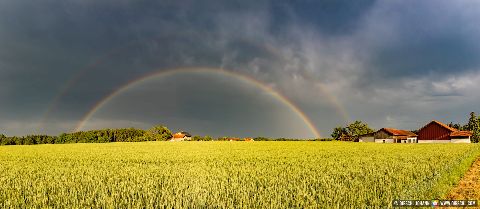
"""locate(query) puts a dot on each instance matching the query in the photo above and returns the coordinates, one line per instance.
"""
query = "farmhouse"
(438, 132)
(391, 135)
(181, 136)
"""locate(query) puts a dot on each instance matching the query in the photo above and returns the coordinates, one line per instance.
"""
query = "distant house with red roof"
(181, 136)
(391, 135)
(438, 132)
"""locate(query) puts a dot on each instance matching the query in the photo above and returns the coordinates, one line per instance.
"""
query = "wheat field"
(228, 174)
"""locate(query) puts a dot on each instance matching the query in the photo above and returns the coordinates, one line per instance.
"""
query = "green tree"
(472, 122)
(337, 132)
(473, 126)
(476, 135)
(158, 133)
(455, 125)
(261, 138)
(358, 128)
(353, 130)
(3, 139)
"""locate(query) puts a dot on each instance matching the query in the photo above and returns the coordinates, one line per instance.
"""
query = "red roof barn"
(391, 135)
(438, 132)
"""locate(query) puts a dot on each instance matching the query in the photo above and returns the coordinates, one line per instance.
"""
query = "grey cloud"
(417, 38)
(382, 58)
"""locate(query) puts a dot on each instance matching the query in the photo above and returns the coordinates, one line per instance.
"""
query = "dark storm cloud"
(104, 45)
(330, 17)
(362, 52)
(429, 38)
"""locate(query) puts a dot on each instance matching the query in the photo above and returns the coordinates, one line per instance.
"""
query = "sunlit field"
(228, 174)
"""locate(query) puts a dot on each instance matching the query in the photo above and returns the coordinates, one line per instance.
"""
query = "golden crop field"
(228, 174)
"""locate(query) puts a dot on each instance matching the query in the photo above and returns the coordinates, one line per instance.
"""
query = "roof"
(442, 125)
(461, 133)
(181, 134)
(398, 132)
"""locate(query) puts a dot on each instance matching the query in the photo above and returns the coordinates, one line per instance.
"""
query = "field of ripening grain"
(228, 174)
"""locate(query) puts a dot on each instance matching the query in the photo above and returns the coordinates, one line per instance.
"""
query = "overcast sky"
(389, 63)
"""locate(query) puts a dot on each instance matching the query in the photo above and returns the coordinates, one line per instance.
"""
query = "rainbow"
(164, 73)
(101, 59)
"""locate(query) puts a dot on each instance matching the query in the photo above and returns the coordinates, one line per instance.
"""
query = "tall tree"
(476, 135)
(473, 126)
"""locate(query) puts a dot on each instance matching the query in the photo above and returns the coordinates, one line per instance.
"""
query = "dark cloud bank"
(389, 63)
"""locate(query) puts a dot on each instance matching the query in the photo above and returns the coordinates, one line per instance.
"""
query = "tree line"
(156, 133)
(94, 136)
